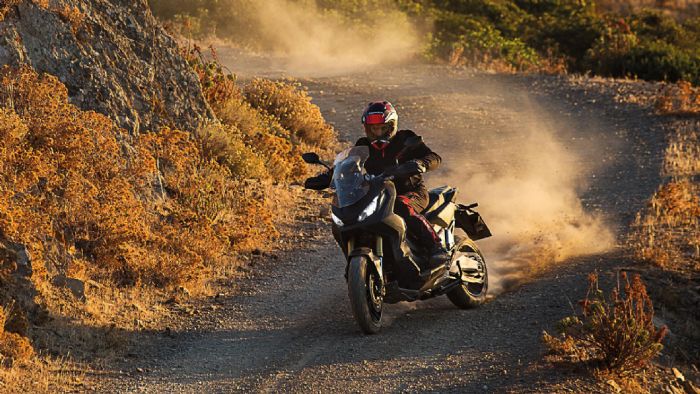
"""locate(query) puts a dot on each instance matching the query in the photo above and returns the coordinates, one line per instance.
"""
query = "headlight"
(371, 208)
(337, 220)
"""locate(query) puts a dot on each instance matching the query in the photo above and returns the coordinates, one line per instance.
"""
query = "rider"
(386, 146)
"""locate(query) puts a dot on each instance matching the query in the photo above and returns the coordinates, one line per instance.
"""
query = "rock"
(19, 254)
(114, 58)
(76, 286)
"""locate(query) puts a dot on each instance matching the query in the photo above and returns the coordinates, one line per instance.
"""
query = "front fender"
(375, 263)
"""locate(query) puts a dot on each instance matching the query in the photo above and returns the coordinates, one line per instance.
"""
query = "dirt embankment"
(113, 56)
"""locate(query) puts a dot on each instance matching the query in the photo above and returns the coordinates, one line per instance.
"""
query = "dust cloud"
(308, 41)
(528, 187)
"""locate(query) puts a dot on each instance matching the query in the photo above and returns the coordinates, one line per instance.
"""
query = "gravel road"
(287, 325)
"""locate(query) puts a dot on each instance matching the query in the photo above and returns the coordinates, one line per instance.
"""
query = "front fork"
(374, 257)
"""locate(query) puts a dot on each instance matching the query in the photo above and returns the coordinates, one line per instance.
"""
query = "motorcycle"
(383, 261)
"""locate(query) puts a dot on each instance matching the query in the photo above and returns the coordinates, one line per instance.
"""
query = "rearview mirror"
(311, 158)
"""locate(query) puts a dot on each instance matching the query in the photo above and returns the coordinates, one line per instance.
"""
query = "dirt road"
(553, 149)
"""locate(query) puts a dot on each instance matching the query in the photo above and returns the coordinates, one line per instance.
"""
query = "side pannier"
(471, 222)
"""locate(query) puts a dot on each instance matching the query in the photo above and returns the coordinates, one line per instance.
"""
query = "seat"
(441, 205)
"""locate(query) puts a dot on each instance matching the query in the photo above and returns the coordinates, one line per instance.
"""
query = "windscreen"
(349, 175)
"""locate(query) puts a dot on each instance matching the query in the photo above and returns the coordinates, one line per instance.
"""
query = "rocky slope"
(112, 55)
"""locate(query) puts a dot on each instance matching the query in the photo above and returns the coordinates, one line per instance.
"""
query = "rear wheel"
(472, 292)
(365, 292)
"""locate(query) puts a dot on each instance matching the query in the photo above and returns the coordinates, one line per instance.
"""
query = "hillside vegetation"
(553, 35)
(97, 222)
(88, 202)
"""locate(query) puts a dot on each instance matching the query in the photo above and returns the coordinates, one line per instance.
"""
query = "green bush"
(479, 42)
(505, 16)
(661, 61)
(568, 34)
(621, 52)
(515, 33)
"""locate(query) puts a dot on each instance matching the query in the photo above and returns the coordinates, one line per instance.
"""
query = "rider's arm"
(424, 156)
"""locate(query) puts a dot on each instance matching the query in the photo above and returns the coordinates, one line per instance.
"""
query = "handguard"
(319, 182)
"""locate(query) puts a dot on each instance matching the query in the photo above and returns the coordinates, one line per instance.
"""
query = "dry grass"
(667, 231)
(615, 330)
(681, 98)
(44, 375)
(682, 157)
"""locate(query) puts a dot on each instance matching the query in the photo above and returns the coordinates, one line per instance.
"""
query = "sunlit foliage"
(616, 329)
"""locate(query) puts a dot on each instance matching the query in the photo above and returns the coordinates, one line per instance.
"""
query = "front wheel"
(472, 292)
(365, 292)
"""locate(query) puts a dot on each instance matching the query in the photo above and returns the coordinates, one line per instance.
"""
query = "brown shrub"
(284, 161)
(225, 145)
(249, 133)
(218, 86)
(14, 348)
(6, 6)
(73, 16)
(617, 330)
(158, 215)
(680, 98)
(238, 113)
(293, 108)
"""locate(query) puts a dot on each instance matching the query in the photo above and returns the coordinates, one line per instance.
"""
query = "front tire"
(365, 293)
(470, 295)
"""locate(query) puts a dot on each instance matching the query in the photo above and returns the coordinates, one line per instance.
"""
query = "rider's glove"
(406, 169)
(319, 182)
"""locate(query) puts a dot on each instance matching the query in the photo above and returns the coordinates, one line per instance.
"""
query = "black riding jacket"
(381, 160)
(394, 153)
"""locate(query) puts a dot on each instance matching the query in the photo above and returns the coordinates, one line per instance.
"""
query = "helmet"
(380, 113)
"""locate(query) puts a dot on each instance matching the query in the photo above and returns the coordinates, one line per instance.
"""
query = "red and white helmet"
(381, 113)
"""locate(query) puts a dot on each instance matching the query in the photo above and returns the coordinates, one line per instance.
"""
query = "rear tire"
(470, 295)
(365, 302)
